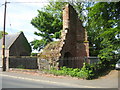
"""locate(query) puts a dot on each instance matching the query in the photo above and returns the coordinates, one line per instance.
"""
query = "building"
(15, 45)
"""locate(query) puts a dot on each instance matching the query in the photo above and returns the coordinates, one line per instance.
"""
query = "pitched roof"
(9, 40)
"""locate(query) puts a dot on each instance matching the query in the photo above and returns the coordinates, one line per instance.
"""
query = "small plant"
(88, 71)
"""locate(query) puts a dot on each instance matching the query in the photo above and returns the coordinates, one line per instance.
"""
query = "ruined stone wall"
(69, 32)
(73, 46)
(74, 39)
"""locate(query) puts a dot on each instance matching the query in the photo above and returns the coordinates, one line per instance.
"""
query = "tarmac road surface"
(21, 80)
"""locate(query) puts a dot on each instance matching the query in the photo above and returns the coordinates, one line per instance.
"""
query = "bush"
(88, 71)
(80, 73)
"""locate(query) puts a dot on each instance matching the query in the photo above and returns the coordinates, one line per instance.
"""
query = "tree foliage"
(104, 28)
(49, 24)
(1, 34)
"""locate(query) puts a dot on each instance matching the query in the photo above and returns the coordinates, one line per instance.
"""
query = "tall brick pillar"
(74, 38)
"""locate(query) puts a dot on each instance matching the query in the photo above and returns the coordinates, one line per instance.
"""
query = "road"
(21, 80)
(22, 83)
(17, 80)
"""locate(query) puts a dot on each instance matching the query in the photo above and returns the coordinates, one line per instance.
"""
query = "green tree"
(1, 34)
(104, 29)
(49, 24)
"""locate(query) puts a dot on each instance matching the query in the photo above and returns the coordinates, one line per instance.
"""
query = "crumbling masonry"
(73, 45)
(74, 38)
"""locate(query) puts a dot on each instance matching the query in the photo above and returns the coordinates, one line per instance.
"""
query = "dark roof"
(9, 40)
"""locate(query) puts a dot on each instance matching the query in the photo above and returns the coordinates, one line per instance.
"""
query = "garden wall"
(23, 62)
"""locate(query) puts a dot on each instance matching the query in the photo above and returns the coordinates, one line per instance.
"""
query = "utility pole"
(3, 45)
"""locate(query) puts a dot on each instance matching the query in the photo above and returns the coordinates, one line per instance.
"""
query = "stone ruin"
(73, 45)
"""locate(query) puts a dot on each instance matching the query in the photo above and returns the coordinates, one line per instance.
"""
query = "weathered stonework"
(74, 38)
(73, 45)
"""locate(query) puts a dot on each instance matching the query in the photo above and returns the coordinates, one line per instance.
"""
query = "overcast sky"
(19, 16)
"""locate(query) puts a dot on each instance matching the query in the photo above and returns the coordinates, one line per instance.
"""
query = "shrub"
(88, 71)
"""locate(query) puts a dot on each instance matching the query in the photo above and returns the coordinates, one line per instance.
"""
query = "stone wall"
(43, 64)
(23, 62)
(74, 39)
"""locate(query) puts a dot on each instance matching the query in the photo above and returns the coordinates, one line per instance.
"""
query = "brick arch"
(67, 59)
(67, 55)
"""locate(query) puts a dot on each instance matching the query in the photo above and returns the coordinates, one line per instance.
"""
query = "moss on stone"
(51, 51)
